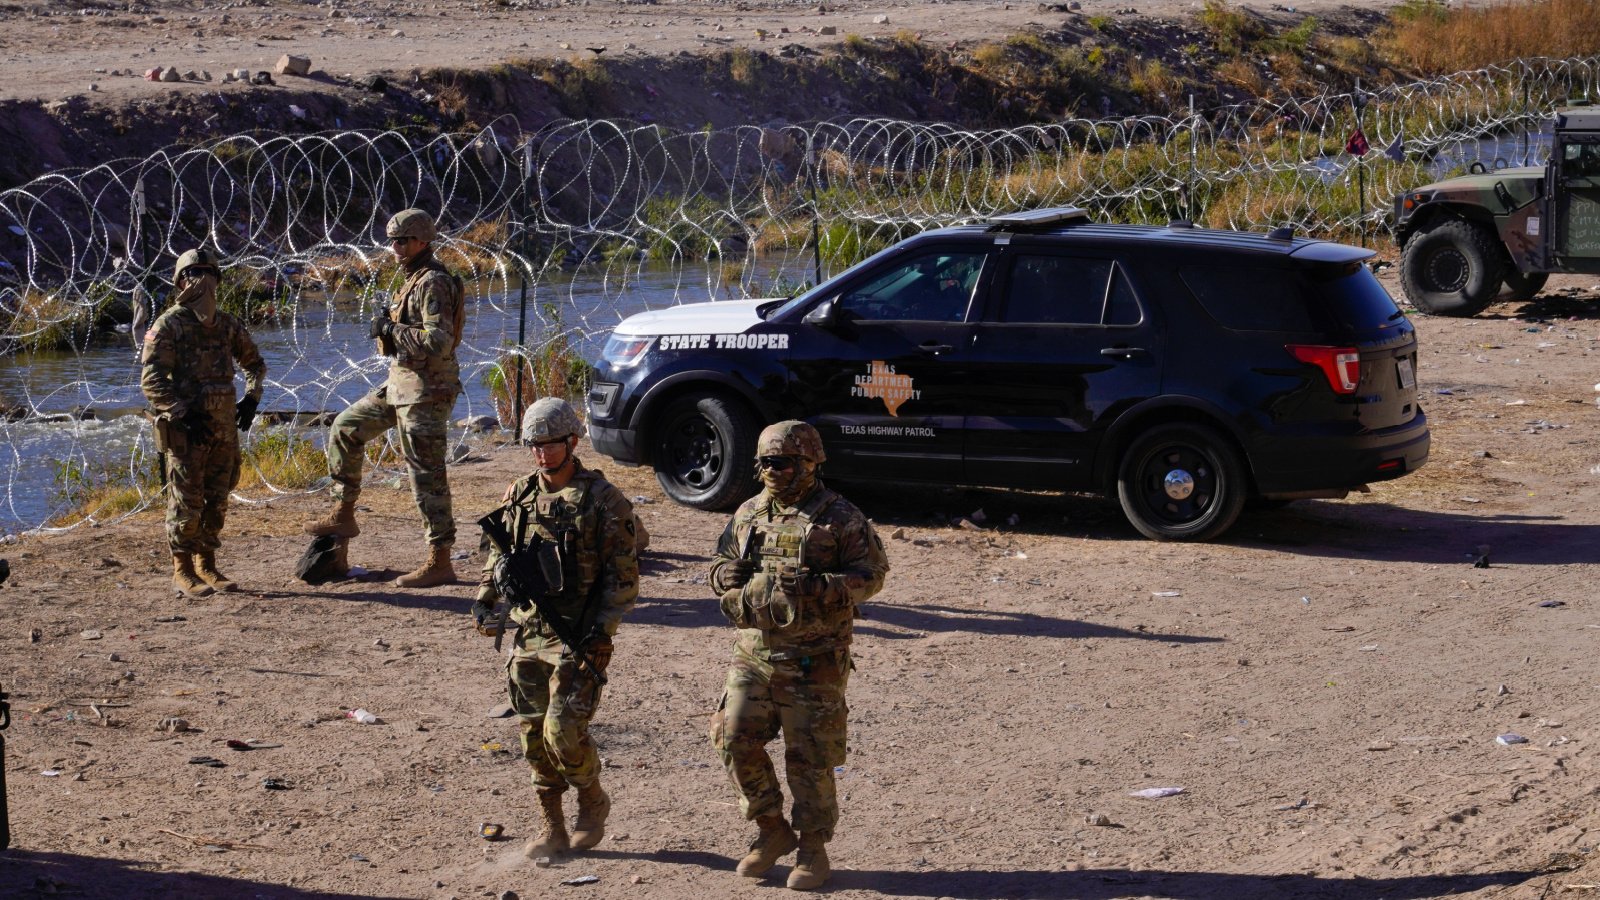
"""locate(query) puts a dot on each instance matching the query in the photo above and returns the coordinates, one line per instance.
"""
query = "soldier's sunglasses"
(780, 463)
(551, 442)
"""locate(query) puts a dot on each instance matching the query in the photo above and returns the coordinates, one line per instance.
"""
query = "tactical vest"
(572, 522)
(416, 377)
(202, 369)
(783, 622)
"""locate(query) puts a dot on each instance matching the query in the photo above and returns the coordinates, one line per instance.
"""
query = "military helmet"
(198, 258)
(550, 418)
(791, 438)
(411, 223)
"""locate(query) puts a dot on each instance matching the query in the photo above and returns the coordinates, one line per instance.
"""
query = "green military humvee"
(1461, 239)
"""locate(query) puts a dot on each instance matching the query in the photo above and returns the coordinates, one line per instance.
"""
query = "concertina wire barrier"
(591, 221)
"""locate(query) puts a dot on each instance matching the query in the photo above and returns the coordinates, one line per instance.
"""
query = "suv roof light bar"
(1037, 219)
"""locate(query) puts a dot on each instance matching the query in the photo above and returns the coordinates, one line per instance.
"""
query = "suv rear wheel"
(1452, 269)
(704, 451)
(1181, 482)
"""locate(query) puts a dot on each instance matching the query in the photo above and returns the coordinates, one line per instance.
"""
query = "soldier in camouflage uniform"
(791, 568)
(186, 373)
(421, 333)
(554, 695)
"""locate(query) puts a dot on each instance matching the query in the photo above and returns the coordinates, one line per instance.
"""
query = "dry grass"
(1436, 39)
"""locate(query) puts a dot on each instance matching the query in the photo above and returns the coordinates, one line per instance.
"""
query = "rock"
(289, 64)
(397, 33)
(479, 423)
(173, 724)
(90, 635)
(170, 74)
(1503, 691)
(1100, 819)
(241, 74)
(261, 78)
(880, 20)
(827, 31)
(191, 75)
(968, 524)
(374, 83)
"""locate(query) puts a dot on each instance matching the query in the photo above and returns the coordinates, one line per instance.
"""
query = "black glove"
(598, 648)
(245, 413)
(483, 613)
(737, 573)
(197, 425)
(381, 326)
(793, 583)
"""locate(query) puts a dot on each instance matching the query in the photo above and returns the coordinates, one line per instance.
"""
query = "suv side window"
(930, 287)
(1249, 299)
(1068, 290)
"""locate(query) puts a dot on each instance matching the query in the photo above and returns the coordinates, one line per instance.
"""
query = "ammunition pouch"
(170, 436)
(530, 573)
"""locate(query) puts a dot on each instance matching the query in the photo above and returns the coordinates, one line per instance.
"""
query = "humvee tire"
(1454, 268)
(1524, 287)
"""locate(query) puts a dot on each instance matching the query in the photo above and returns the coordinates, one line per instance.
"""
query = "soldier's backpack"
(325, 560)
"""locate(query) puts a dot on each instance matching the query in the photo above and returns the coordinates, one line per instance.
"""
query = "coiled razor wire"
(595, 220)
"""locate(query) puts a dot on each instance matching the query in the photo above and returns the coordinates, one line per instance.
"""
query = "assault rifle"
(532, 576)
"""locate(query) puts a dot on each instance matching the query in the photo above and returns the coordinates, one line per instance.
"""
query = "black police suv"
(1184, 370)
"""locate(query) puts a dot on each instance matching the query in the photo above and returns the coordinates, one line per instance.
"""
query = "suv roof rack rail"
(1180, 223)
(1037, 219)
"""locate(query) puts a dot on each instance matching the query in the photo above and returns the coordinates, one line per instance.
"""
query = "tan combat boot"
(554, 840)
(593, 807)
(436, 571)
(341, 522)
(185, 579)
(772, 843)
(811, 867)
(206, 568)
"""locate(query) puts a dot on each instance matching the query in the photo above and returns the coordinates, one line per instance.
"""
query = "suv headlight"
(625, 349)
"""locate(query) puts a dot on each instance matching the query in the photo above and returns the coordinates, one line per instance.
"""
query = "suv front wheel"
(703, 450)
(1181, 482)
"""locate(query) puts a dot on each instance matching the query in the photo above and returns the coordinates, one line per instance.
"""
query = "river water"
(318, 361)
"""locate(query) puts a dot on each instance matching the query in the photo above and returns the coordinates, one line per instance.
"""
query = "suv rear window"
(1312, 298)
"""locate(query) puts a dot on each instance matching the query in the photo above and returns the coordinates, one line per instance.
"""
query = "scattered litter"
(1303, 803)
(1509, 738)
(491, 831)
(1552, 604)
(1469, 499)
(502, 711)
(1369, 648)
(362, 716)
(359, 858)
(1379, 746)
(90, 635)
(494, 747)
(208, 761)
(1503, 691)
(51, 773)
(1338, 628)
(174, 724)
(1157, 793)
(357, 571)
(252, 744)
(165, 619)
(1100, 819)
(582, 879)
(1166, 593)
(1517, 403)
(275, 784)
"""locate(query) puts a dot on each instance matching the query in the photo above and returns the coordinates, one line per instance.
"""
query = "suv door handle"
(1123, 352)
(934, 349)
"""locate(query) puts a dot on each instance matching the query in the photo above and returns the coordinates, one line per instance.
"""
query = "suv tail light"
(1341, 365)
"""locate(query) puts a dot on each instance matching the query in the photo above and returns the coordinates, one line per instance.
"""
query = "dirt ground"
(56, 51)
(1326, 684)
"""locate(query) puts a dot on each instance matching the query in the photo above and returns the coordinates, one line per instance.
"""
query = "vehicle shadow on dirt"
(1332, 528)
(1388, 533)
(26, 873)
(1106, 884)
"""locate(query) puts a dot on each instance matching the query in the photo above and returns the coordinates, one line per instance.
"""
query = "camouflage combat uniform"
(186, 365)
(792, 658)
(424, 379)
(554, 696)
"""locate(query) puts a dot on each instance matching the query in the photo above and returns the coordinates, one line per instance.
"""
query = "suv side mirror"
(824, 314)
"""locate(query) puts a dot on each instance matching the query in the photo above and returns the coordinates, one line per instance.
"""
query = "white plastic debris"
(1509, 738)
(1156, 793)
(362, 716)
